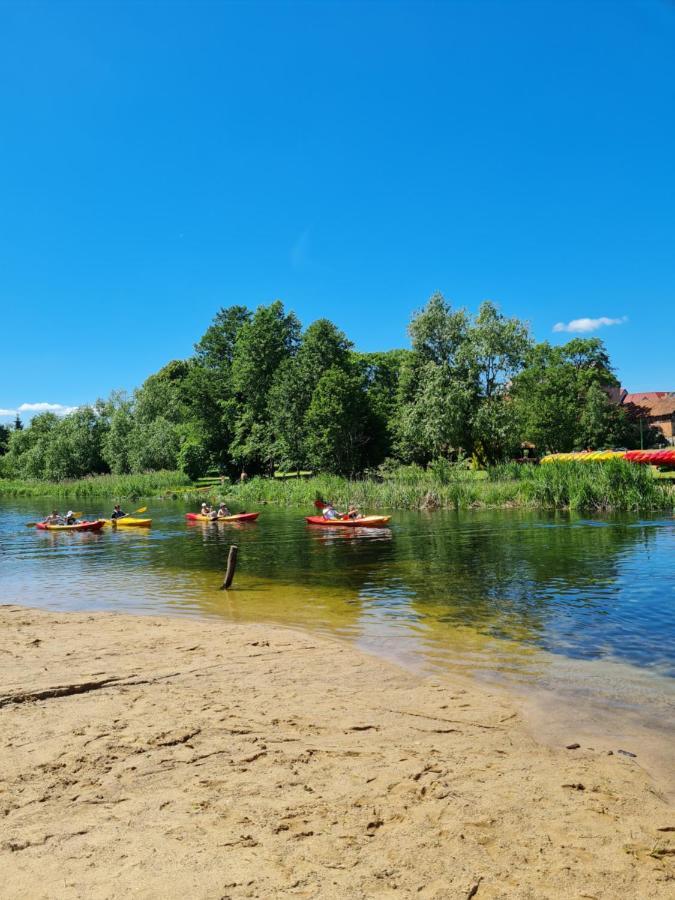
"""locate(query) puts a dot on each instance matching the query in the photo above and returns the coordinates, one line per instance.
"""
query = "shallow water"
(577, 606)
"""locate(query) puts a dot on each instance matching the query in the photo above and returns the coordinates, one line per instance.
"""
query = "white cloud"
(57, 408)
(584, 326)
(4, 413)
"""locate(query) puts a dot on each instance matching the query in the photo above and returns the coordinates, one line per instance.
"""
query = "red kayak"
(240, 517)
(80, 526)
(363, 522)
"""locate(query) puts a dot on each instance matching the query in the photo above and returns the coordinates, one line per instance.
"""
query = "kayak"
(363, 522)
(129, 522)
(80, 526)
(240, 517)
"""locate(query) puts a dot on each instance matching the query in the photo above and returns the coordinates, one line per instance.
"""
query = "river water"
(577, 612)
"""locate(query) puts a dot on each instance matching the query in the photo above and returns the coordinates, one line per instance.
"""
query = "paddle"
(320, 504)
(135, 512)
(76, 515)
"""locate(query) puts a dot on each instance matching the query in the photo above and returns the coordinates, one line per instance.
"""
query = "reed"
(148, 484)
(611, 485)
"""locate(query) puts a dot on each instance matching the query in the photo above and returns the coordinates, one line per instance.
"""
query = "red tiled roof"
(645, 397)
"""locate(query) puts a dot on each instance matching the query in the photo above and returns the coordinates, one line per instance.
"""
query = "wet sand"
(151, 757)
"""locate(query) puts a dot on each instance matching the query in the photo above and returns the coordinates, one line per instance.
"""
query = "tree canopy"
(260, 393)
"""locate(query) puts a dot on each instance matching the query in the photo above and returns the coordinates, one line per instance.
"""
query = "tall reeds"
(148, 484)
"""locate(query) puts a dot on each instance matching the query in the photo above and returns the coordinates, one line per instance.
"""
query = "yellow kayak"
(129, 522)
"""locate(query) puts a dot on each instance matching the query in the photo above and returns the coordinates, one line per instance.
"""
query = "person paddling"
(70, 518)
(223, 511)
(54, 518)
(117, 512)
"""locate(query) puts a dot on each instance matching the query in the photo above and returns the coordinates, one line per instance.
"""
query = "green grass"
(592, 487)
(610, 485)
(150, 484)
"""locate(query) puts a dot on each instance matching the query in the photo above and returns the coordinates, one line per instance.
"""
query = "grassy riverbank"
(611, 485)
(150, 484)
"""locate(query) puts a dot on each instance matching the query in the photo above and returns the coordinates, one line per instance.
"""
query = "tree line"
(261, 394)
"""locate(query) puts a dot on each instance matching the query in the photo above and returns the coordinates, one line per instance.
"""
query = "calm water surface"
(551, 600)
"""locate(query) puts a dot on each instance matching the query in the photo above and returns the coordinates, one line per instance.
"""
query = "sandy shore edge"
(153, 757)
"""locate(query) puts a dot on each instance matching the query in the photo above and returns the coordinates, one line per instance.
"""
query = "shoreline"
(147, 756)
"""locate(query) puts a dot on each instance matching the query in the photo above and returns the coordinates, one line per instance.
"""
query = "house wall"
(665, 424)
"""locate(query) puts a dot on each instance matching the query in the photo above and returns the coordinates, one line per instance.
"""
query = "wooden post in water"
(231, 566)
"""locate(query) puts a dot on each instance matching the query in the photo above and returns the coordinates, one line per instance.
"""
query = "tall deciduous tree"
(261, 345)
(338, 423)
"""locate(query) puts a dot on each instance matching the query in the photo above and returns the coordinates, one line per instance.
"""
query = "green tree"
(116, 447)
(381, 373)
(557, 400)
(154, 445)
(162, 395)
(5, 434)
(338, 423)
(215, 349)
(437, 387)
(496, 347)
(193, 459)
(263, 342)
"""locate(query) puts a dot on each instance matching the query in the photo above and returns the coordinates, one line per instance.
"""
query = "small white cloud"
(584, 326)
(57, 408)
(4, 413)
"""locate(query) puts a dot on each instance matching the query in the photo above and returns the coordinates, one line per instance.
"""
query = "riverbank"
(613, 485)
(158, 757)
(118, 487)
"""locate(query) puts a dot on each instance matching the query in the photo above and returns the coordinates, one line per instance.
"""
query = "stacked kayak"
(129, 522)
(240, 517)
(362, 522)
(652, 457)
(80, 526)
(646, 457)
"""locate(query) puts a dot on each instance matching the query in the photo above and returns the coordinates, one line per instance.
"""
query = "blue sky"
(160, 160)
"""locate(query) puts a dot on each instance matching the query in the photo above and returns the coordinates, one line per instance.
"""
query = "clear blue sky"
(160, 160)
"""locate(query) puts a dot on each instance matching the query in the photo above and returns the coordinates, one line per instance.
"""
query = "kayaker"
(329, 512)
(54, 518)
(205, 510)
(70, 518)
(117, 512)
(353, 512)
(223, 511)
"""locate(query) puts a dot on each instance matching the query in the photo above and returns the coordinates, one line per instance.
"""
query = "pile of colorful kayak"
(646, 457)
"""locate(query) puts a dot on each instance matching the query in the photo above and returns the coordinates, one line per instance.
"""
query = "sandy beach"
(146, 757)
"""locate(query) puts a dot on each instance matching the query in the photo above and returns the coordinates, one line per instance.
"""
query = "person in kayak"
(117, 512)
(223, 511)
(70, 518)
(353, 512)
(329, 512)
(205, 510)
(54, 518)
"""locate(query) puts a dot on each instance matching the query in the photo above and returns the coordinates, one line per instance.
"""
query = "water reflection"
(487, 590)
